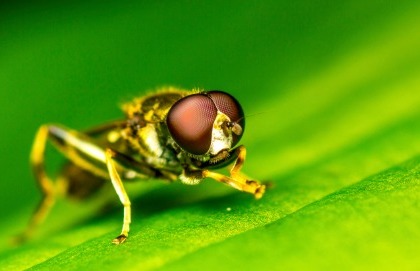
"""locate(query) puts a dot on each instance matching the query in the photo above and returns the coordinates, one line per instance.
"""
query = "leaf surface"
(332, 97)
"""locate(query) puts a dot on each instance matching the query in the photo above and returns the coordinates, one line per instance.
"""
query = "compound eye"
(228, 105)
(190, 123)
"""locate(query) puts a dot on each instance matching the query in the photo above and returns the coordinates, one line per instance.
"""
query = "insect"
(172, 134)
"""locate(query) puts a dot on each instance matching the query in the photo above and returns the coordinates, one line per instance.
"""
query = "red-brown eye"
(228, 105)
(190, 122)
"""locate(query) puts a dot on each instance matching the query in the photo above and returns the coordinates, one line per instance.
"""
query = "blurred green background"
(332, 90)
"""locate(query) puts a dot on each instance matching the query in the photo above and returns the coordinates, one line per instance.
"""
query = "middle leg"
(122, 194)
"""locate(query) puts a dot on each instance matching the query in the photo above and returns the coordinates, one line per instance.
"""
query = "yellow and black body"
(171, 134)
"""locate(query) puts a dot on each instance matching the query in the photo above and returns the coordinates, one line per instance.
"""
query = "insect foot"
(259, 189)
(119, 239)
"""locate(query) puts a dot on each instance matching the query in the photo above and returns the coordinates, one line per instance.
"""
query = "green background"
(332, 95)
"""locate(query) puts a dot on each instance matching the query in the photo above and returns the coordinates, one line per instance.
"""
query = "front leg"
(237, 179)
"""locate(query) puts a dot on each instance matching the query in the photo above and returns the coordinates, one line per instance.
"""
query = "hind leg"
(74, 146)
(90, 156)
(46, 185)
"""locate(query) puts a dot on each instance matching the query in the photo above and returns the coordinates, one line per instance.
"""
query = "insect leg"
(85, 153)
(47, 186)
(241, 154)
(252, 186)
(119, 188)
(44, 182)
(237, 179)
(239, 182)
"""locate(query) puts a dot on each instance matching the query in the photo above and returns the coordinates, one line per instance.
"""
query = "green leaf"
(357, 227)
(332, 97)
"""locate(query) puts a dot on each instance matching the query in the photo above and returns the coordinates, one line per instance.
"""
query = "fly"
(172, 134)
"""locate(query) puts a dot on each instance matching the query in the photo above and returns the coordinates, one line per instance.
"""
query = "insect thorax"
(146, 131)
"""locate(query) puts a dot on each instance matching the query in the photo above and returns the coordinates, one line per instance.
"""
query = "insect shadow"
(162, 199)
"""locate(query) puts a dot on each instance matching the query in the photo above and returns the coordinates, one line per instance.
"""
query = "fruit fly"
(172, 134)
